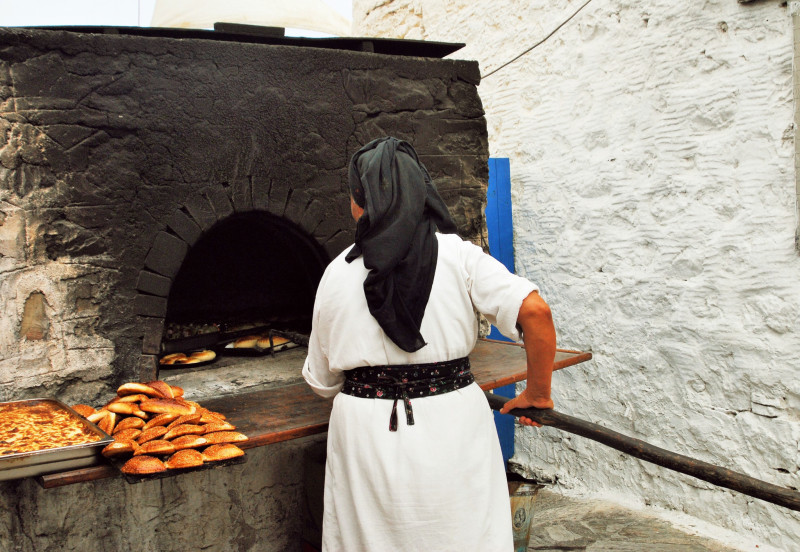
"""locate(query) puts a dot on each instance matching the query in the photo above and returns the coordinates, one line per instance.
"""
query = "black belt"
(407, 381)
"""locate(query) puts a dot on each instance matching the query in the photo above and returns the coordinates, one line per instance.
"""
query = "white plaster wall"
(653, 183)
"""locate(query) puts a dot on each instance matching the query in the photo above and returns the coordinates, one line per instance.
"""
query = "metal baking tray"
(40, 462)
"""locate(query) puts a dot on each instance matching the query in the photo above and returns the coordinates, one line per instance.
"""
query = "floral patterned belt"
(407, 381)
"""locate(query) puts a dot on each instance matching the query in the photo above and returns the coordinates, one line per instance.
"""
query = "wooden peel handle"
(711, 473)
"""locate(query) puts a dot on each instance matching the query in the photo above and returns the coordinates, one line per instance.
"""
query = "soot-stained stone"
(150, 305)
(241, 195)
(312, 216)
(296, 206)
(148, 367)
(166, 255)
(277, 199)
(220, 202)
(185, 227)
(153, 284)
(261, 186)
(152, 331)
(63, 238)
(201, 211)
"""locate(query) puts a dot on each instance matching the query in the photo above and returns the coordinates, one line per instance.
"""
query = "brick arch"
(321, 217)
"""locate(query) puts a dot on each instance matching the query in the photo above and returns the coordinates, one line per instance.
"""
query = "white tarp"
(313, 15)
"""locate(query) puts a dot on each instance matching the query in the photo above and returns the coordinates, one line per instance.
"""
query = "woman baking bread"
(414, 462)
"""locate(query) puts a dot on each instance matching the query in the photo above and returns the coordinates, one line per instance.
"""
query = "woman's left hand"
(524, 401)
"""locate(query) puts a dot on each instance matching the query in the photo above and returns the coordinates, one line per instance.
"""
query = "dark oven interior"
(251, 273)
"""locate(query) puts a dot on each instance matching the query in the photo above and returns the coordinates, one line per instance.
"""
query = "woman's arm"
(539, 337)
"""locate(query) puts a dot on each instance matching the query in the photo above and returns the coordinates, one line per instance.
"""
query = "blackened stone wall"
(258, 506)
(119, 152)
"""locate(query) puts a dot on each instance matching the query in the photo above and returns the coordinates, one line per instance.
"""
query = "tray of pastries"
(40, 436)
(156, 432)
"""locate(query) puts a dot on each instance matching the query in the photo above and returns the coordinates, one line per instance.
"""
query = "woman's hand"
(525, 400)
(539, 337)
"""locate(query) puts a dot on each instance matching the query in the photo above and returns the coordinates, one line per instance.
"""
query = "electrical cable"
(554, 31)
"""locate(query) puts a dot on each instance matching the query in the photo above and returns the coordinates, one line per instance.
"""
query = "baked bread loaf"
(186, 458)
(263, 341)
(166, 406)
(247, 342)
(149, 434)
(131, 422)
(141, 414)
(143, 464)
(209, 417)
(221, 452)
(172, 358)
(84, 410)
(184, 429)
(177, 391)
(195, 406)
(97, 416)
(135, 398)
(201, 356)
(125, 408)
(219, 437)
(160, 420)
(134, 388)
(119, 448)
(108, 422)
(130, 434)
(189, 441)
(219, 426)
(163, 388)
(186, 419)
(158, 447)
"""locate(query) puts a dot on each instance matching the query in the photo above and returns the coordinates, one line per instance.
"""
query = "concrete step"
(561, 524)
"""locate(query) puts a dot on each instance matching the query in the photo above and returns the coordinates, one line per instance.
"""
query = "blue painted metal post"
(501, 247)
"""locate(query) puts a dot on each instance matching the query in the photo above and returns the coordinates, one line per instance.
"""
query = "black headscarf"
(396, 235)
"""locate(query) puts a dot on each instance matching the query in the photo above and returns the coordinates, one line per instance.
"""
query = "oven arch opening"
(251, 269)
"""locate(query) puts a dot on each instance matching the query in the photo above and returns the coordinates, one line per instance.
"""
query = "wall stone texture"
(259, 505)
(653, 185)
(117, 152)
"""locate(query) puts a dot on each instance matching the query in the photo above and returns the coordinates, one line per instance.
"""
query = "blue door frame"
(501, 246)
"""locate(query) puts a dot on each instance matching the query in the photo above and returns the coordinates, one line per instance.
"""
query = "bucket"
(522, 496)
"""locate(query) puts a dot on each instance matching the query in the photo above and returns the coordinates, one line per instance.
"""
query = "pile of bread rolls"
(156, 429)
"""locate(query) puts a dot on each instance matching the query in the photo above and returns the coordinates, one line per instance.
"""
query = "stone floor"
(565, 524)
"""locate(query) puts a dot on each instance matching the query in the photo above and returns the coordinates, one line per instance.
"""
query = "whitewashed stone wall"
(652, 160)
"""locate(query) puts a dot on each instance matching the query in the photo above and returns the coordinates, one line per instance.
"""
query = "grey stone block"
(166, 255)
(186, 228)
(241, 195)
(150, 305)
(201, 211)
(153, 284)
(220, 202)
(152, 333)
(261, 186)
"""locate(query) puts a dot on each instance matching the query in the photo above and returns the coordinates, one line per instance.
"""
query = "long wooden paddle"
(711, 473)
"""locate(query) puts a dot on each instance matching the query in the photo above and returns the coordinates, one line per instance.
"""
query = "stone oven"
(158, 176)
(151, 177)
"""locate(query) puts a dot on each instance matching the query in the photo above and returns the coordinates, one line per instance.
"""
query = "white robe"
(440, 484)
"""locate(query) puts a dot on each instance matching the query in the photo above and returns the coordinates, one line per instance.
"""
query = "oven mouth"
(252, 273)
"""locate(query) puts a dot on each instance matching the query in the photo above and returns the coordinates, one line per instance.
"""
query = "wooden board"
(294, 411)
